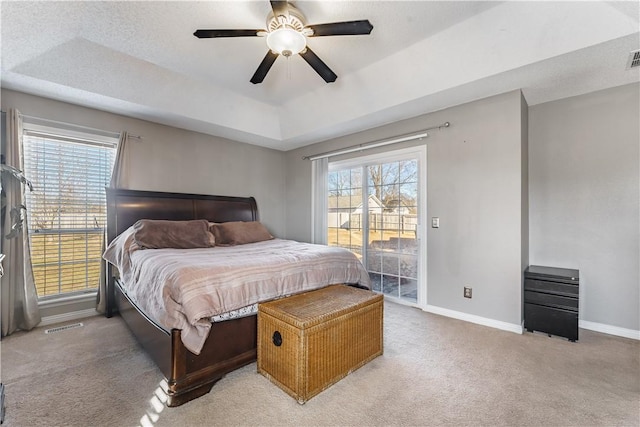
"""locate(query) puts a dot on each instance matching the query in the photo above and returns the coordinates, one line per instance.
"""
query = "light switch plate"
(435, 222)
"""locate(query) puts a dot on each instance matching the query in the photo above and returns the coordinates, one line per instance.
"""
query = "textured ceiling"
(141, 59)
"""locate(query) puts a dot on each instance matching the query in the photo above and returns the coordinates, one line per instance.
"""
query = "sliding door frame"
(420, 154)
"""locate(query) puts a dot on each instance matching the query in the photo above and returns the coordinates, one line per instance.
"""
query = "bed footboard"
(231, 344)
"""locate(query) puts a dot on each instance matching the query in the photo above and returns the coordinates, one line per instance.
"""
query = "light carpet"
(434, 371)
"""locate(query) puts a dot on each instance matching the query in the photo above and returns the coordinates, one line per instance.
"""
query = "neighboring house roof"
(399, 206)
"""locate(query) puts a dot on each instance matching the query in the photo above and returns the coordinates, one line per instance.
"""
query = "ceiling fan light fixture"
(286, 35)
(286, 41)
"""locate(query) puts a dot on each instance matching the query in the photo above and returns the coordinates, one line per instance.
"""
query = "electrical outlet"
(467, 292)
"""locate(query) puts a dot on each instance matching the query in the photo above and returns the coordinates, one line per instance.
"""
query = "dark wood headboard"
(125, 207)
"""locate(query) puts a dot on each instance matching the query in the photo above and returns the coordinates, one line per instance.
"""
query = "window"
(373, 209)
(66, 212)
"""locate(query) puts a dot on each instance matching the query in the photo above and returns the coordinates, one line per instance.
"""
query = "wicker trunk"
(309, 341)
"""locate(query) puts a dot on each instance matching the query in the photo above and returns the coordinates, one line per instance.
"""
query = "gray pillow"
(159, 234)
(239, 233)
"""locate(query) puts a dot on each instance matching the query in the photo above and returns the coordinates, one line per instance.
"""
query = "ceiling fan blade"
(207, 34)
(317, 64)
(348, 28)
(280, 8)
(264, 67)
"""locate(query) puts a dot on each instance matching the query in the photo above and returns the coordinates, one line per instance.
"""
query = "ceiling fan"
(287, 34)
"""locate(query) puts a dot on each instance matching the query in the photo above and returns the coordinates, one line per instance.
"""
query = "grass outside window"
(64, 263)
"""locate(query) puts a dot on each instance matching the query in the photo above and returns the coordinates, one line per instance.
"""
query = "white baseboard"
(609, 329)
(518, 329)
(497, 324)
(67, 317)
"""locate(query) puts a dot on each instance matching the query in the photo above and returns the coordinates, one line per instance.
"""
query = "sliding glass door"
(374, 208)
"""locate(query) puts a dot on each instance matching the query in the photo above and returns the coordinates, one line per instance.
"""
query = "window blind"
(66, 212)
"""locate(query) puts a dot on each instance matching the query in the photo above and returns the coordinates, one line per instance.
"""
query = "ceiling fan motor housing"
(295, 21)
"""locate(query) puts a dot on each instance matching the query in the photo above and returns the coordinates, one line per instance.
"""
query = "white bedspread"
(184, 288)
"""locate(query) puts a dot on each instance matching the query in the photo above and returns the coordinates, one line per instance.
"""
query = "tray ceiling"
(140, 59)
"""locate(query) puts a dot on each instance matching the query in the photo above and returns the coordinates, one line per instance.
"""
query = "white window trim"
(36, 127)
(67, 130)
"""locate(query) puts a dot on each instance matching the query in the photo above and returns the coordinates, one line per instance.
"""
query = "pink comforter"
(183, 288)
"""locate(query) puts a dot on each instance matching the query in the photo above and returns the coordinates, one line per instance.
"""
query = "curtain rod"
(360, 147)
(87, 128)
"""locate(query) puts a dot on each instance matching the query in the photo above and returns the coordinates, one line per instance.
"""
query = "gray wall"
(584, 195)
(475, 185)
(177, 160)
(583, 182)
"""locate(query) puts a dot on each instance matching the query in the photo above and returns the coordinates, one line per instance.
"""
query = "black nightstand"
(551, 301)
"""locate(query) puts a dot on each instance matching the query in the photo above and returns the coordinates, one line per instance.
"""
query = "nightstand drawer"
(551, 287)
(552, 321)
(551, 300)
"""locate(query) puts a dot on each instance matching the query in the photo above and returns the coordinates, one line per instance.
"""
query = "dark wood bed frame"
(231, 344)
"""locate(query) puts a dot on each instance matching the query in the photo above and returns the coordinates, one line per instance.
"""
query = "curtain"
(119, 176)
(119, 179)
(319, 170)
(19, 298)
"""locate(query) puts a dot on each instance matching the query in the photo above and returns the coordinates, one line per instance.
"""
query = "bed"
(229, 344)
